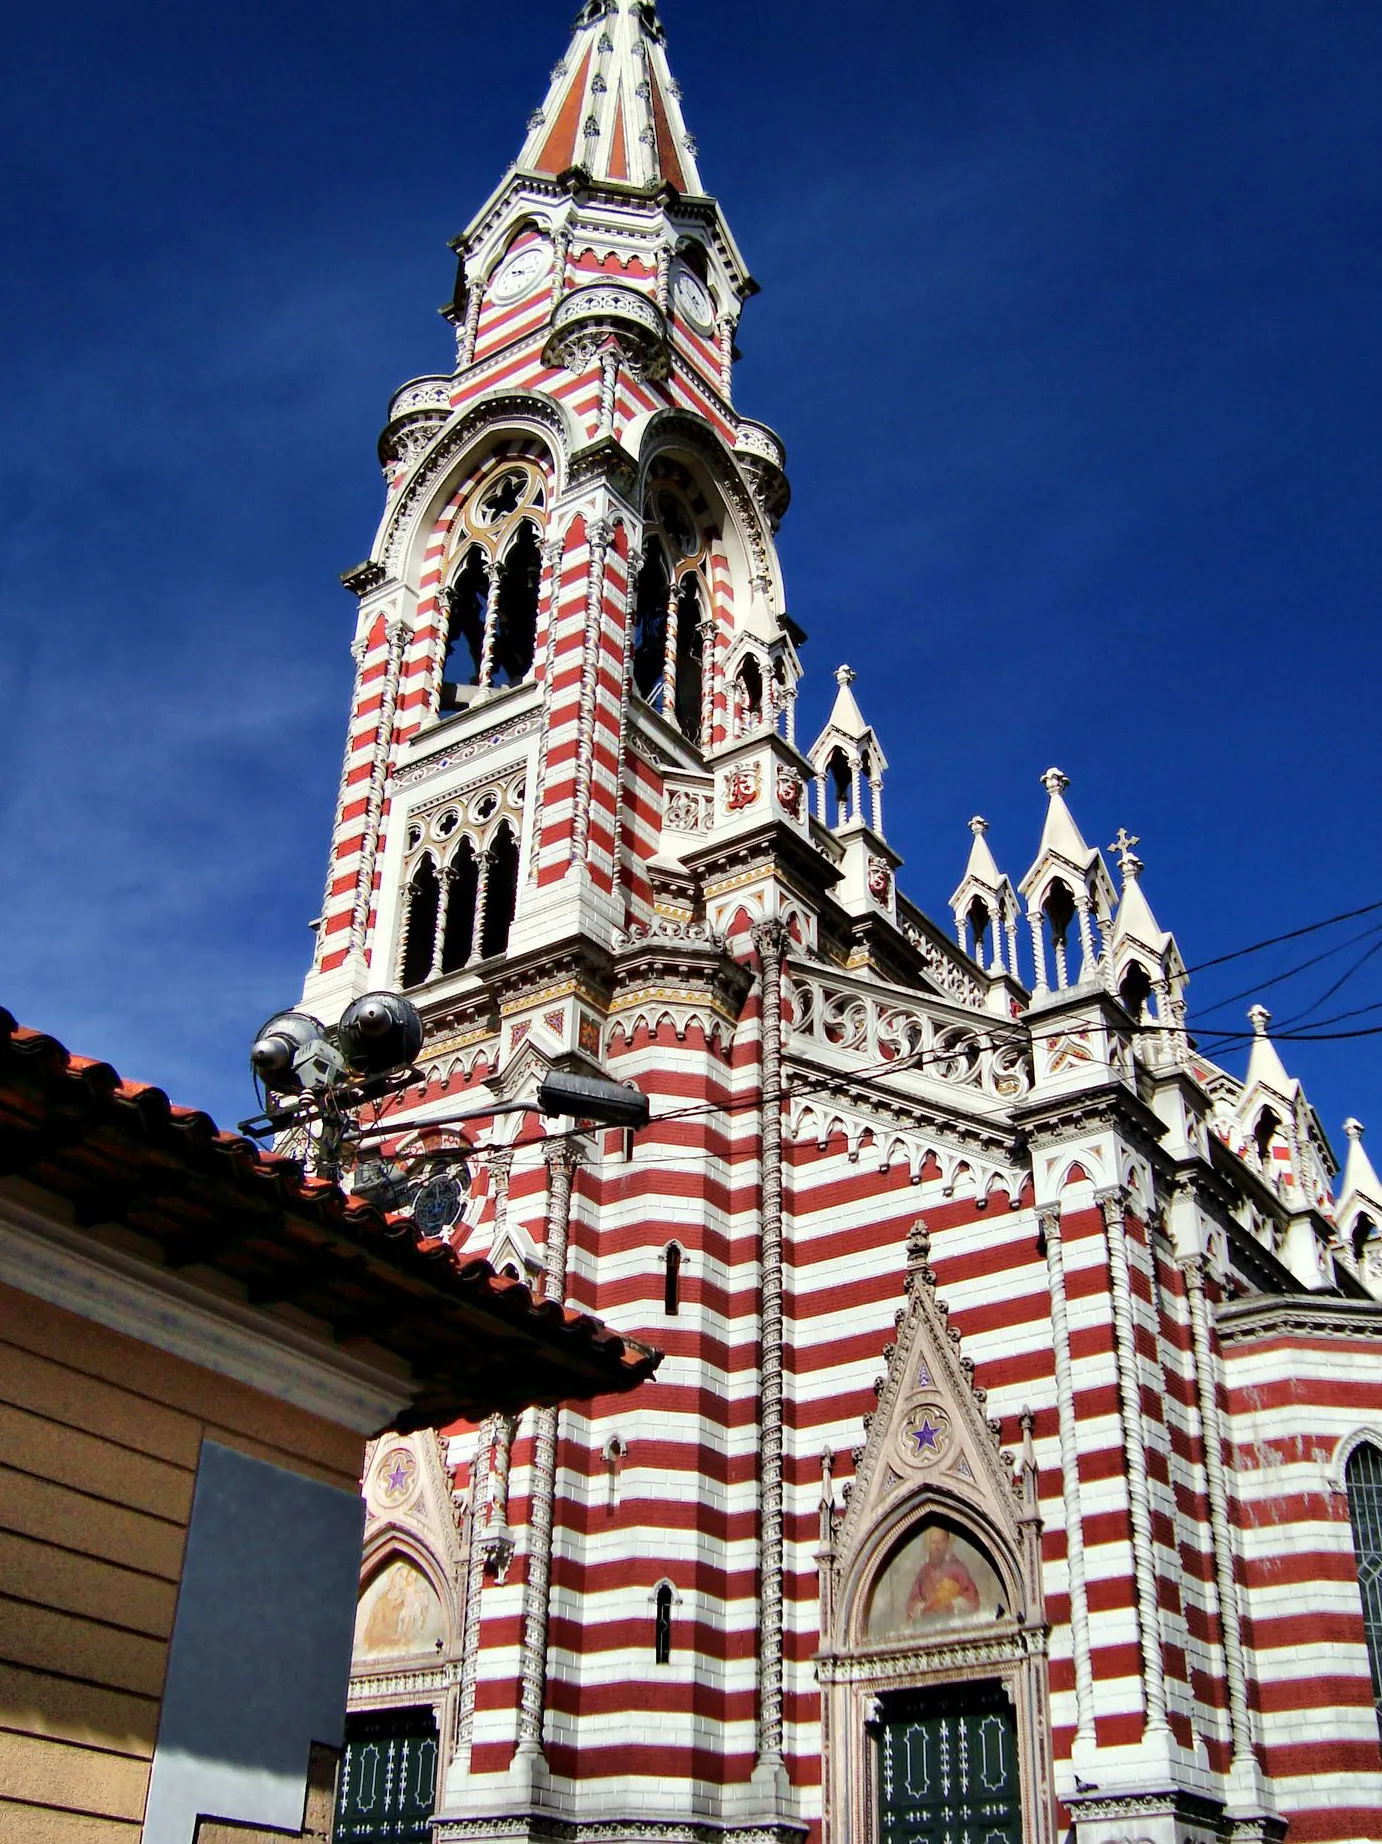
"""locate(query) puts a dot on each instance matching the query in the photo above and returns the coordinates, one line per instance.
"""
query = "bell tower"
(577, 539)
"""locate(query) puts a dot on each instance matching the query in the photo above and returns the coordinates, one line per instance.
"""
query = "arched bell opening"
(463, 886)
(1058, 912)
(501, 892)
(1265, 1130)
(979, 924)
(1135, 989)
(839, 778)
(420, 925)
(689, 660)
(748, 696)
(515, 622)
(465, 600)
(1363, 1233)
(650, 620)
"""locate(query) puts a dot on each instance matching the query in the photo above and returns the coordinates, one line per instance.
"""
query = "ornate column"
(552, 554)
(669, 654)
(446, 888)
(770, 940)
(856, 797)
(724, 332)
(1135, 1452)
(397, 635)
(707, 678)
(561, 245)
(609, 383)
(876, 802)
(1010, 931)
(477, 936)
(664, 271)
(1049, 1219)
(1221, 1530)
(1088, 958)
(599, 532)
(491, 623)
(1038, 951)
(475, 1580)
(471, 327)
(562, 1158)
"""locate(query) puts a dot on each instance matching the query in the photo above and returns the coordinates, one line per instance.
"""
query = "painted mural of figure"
(403, 1614)
(943, 1587)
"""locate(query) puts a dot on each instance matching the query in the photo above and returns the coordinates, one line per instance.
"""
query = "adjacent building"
(196, 1344)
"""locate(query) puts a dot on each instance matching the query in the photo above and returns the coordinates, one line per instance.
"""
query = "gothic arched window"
(466, 601)
(840, 780)
(689, 661)
(501, 893)
(650, 620)
(662, 1625)
(1363, 1478)
(1135, 988)
(979, 921)
(424, 895)
(1059, 910)
(458, 936)
(515, 626)
(748, 696)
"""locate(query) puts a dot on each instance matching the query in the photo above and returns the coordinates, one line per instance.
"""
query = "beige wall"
(99, 1438)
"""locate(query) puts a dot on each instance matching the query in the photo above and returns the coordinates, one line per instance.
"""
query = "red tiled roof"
(121, 1152)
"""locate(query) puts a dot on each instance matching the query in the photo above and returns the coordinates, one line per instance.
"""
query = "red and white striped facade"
(992, 1178)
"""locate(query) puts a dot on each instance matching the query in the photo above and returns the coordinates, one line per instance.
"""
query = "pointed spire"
(1134, 920)
(1264, 1064)
(845, 715)
(982, 866)
(1359, 1179)
(613, 107)
(1060, 834)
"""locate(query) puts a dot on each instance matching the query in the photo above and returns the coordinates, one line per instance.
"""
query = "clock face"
(520, 272)
(689, 293)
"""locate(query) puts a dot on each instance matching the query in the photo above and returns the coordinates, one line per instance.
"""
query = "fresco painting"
(936, 1581)
(398, 1612)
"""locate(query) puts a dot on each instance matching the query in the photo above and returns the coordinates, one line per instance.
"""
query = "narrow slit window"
(671, 1279)
(662, 1628)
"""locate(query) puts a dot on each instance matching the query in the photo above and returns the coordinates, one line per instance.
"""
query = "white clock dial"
(692, 301)
(522, 270)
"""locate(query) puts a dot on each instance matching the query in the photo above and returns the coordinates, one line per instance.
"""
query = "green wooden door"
(947, 1768)
(388, 1779)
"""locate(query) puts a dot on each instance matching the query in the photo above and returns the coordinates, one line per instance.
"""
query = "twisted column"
(769, 940)
(551, 556)
(598, 536)
(669, 655)
(1049, 1219)
(397, 635)
(1135, 1452)
(1221, 1531)
(562, 1158)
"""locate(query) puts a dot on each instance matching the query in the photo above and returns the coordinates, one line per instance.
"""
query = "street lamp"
(314, 1080)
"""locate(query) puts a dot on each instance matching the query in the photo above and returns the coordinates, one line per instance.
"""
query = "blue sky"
(1069, 321)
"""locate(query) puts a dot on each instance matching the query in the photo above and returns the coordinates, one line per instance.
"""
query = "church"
(1014, 1468)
